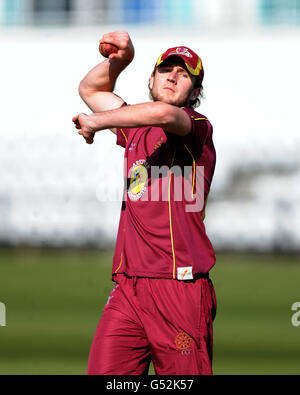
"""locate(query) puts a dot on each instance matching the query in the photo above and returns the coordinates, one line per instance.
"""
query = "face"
(173, 84)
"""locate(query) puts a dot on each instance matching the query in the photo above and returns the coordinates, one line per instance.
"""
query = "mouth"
(170, 89)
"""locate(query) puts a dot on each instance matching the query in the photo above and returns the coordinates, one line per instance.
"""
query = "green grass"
(253, 330)
(54, 299)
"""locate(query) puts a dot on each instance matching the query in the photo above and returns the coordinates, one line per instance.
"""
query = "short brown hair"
(198, 84)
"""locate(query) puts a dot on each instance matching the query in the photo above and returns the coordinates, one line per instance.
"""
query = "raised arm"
(96, 88)
(170, 118)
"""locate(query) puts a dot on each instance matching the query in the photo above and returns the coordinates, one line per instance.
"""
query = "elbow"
(174, 120)
(82, 89)
(166, 114)
(85, 90)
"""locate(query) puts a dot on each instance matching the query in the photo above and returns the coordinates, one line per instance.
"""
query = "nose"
(172, 77)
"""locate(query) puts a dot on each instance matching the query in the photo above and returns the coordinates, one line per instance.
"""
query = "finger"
(75, 118)
(77, 125)
(109, 39)
(89, 140)
(120, 40)
(113, 56)
(87, 136)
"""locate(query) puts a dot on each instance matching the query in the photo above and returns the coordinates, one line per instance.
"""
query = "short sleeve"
(201, 129)
(122, 136)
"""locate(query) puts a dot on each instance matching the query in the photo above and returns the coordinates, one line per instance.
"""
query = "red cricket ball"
(106, 49)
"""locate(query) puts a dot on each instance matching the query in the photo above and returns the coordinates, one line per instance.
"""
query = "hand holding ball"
(107, 49)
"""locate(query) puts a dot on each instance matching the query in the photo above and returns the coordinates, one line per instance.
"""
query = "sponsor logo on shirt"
(185, 273)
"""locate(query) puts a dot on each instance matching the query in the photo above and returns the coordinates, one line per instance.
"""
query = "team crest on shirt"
(138, 176)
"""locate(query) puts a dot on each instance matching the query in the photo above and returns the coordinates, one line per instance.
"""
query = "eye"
(164, 69)
(184, 74)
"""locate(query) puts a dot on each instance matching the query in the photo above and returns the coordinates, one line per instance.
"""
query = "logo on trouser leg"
(183, 343)
(111, 296)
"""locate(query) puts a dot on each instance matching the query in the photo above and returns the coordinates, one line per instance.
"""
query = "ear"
(151, 81)
(195, 93)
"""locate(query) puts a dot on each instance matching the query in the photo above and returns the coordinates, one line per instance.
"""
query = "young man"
(163, 304)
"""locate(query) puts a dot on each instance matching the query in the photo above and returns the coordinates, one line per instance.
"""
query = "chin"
(171, 101)
(176, 103)
(168, 100)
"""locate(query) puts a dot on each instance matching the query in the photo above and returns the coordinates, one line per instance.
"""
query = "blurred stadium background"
(60, 198)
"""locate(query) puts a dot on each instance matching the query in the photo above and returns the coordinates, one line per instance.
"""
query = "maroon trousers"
(163, 320)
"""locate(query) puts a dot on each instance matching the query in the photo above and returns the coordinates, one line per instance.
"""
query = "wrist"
(94, 123)
(119, 65)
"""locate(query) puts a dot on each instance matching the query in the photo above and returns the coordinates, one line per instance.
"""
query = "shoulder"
(200, 124)
(196, 116)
